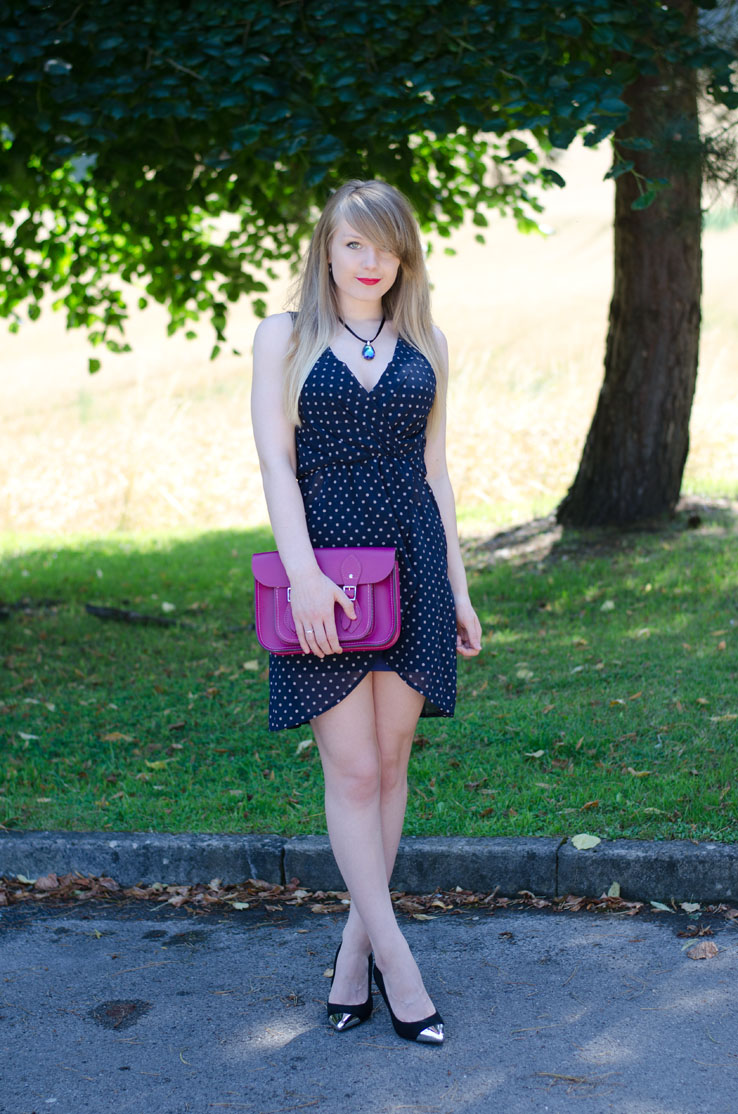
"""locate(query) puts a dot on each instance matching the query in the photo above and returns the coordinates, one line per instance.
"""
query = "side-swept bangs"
(381, 220)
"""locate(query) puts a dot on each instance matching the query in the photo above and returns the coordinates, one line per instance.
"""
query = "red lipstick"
(369, 281)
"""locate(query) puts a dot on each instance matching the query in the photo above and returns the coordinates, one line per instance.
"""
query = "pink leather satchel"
(370, 577)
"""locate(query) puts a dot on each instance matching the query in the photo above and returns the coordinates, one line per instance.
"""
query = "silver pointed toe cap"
(432, 1034)
(341, 1021)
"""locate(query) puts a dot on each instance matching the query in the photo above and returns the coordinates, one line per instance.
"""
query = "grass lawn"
(605, 698)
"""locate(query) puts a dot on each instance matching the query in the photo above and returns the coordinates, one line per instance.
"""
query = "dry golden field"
(161, 438)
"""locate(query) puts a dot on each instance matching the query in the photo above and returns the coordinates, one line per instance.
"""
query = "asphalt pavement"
(143, 1008)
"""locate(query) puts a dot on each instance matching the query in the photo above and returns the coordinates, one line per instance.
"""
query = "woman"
(348, 408)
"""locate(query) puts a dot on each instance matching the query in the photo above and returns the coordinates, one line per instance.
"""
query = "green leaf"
(93, 365)
(646, 199)
(622, 166)
(552, 176)
(571, 26)
(636, 143)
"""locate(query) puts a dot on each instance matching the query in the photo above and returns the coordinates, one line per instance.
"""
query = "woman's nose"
(370, 256)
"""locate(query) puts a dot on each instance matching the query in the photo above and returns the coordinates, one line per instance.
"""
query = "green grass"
(605, 699)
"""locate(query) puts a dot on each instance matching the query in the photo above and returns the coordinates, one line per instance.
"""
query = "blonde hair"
(382, 214)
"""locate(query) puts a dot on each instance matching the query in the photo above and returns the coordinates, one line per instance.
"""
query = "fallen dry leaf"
(583, 842)
(706, 949)
(48, 882)
(255, 893)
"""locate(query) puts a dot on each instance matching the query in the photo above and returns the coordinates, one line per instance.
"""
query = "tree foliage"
(183, 147)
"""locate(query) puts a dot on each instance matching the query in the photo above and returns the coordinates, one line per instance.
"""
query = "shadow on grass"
(126, 570)
(544, 541)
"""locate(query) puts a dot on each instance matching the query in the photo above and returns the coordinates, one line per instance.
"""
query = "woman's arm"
(275, 444)
(469, 631)
(313, 593)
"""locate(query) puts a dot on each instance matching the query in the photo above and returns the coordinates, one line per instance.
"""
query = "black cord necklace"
(367, 351)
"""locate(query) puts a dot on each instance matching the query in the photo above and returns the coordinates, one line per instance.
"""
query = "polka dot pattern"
(361, 471)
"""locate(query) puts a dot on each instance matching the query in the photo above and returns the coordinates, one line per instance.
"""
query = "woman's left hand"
(468, 630)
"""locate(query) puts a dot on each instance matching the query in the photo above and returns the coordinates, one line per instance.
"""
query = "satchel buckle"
(349, 589)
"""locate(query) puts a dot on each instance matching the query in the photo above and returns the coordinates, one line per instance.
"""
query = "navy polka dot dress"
(361, 471)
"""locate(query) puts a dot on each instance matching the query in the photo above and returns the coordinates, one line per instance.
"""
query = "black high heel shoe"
(345, 1017)
(427, 1031)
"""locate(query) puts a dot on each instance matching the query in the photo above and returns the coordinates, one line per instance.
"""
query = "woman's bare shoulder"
(274, 331)
(442, 345)
(440, 337)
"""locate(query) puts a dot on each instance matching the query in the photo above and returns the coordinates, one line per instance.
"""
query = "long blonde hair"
(382, 214)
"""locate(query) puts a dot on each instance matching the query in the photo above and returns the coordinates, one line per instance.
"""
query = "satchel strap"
(351, 569)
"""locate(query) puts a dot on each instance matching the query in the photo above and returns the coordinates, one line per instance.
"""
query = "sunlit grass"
(604, 698)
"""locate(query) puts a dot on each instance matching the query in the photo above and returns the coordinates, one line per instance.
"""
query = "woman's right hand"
(313, 599)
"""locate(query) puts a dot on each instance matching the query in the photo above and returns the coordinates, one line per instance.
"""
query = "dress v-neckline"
(356, 378)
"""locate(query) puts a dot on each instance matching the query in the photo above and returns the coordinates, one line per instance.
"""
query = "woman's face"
(360, 269)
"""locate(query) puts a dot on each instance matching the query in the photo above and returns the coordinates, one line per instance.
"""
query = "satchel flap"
(343, 564)
(269, 570)
(356, 564)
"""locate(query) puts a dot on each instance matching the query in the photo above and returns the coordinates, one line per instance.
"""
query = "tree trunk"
(633, 460)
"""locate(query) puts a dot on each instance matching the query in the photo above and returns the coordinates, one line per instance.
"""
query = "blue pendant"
(367, 351)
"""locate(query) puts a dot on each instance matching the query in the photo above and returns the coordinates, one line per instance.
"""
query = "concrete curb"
(677, 870)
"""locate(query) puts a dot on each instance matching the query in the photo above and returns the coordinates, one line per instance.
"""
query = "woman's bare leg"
(364, 744)
(397, 707)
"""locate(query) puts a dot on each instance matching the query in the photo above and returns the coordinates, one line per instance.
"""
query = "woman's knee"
(394, 755)
(356, 779)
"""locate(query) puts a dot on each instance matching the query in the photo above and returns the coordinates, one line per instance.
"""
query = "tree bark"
(633, 460)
